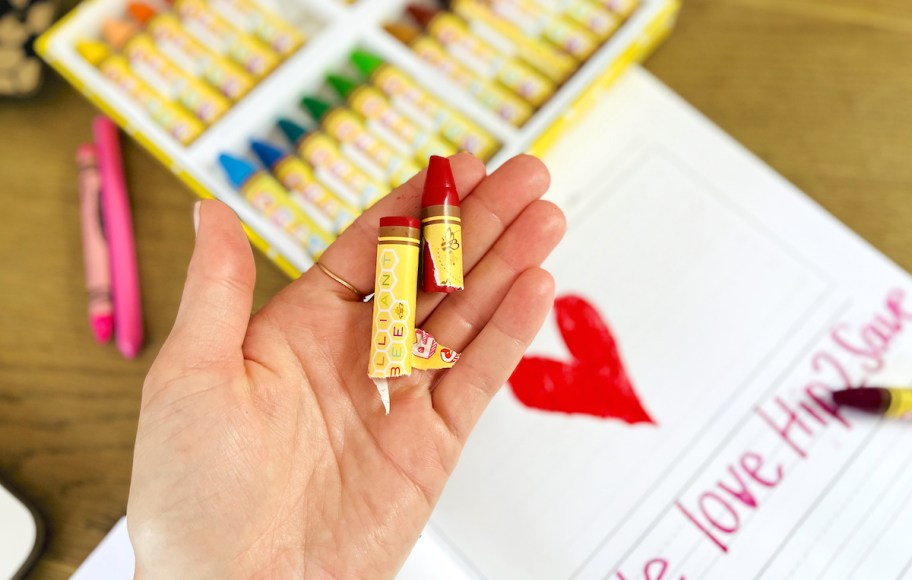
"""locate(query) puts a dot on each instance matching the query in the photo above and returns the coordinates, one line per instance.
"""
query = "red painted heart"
(594, 382)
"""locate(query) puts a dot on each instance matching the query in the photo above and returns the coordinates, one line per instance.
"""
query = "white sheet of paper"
(732, 297)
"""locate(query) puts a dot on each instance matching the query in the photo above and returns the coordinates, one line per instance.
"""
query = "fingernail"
(196, 217)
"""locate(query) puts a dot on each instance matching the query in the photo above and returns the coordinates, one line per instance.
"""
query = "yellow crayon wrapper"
(441, 230)
(596, 19)
(266, 195)
(394, 128)
(428, 355)
(623, 8)
(270, 28)
(507, 106)
(173, 40)
(335, 171)
(395, 298)
(418, 105)
(179, 124)
(521, 79)
(196, 96)
(217, 33)
(349, 130)
(510, 40)
(538, 23)
(900, 404)
(312, 196)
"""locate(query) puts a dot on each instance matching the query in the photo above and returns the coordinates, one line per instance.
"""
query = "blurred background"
(818, 89)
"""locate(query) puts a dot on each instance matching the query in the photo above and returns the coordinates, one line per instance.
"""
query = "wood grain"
(819, 89)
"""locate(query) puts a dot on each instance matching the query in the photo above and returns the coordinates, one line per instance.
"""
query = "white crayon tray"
(333, 30)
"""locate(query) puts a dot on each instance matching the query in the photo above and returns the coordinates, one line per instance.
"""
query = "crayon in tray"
(301, 114)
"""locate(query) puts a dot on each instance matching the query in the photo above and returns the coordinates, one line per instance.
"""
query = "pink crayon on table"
(94, 245)
(118, 224)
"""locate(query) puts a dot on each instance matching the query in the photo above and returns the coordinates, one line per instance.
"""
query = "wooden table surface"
(819, 89)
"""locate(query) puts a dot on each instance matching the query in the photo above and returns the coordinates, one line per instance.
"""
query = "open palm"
(263, 448)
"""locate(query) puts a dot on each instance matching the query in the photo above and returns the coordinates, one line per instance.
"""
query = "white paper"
(728, 291)
(112, 559)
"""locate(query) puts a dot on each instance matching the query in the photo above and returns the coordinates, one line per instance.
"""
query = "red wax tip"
(439, 185)
(867, 399)
(400, 222)
(103, 327)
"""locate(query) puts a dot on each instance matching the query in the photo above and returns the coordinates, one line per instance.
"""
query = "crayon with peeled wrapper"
(441, 230)
(386, 122)
(510, 40)
(94, 245)
(395, 302)
(490, 95)
(890, 402)
(160, 72)
(474, 54)
(598, 20)
(185, 51)
(267, 196)
(262, 22)
(538, 23)
(331, 167)
(330, 212)
(213, 31)
(360, 145)
(422, 108)
(180, 124)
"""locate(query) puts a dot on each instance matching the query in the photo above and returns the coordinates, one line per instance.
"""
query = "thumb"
(218, 294)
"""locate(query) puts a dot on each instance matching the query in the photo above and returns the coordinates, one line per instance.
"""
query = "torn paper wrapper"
(427, 354)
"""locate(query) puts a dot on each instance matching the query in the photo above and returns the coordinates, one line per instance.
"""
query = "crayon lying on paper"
(890, 402)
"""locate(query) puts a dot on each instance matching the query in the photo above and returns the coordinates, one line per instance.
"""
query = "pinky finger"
(487, 362)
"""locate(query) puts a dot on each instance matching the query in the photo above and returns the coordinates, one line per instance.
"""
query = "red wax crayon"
(441, 229)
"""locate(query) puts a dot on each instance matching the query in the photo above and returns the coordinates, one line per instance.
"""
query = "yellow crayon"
(538, 23)
(223, 74)
(218, 34)
(350, 130)
(313, 197)
(598, 20)
(623, 8)
(395, 298)
(180, 124)
(266, 195)
(476, 55)
(395, 129)
(262, 22)
(422, 108)
(331, 166)
(159, 71)
(505, 105)
(510, 40)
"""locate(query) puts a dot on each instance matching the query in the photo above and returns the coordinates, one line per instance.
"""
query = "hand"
(263, 448)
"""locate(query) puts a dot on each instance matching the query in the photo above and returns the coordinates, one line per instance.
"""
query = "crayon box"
(195, 81)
